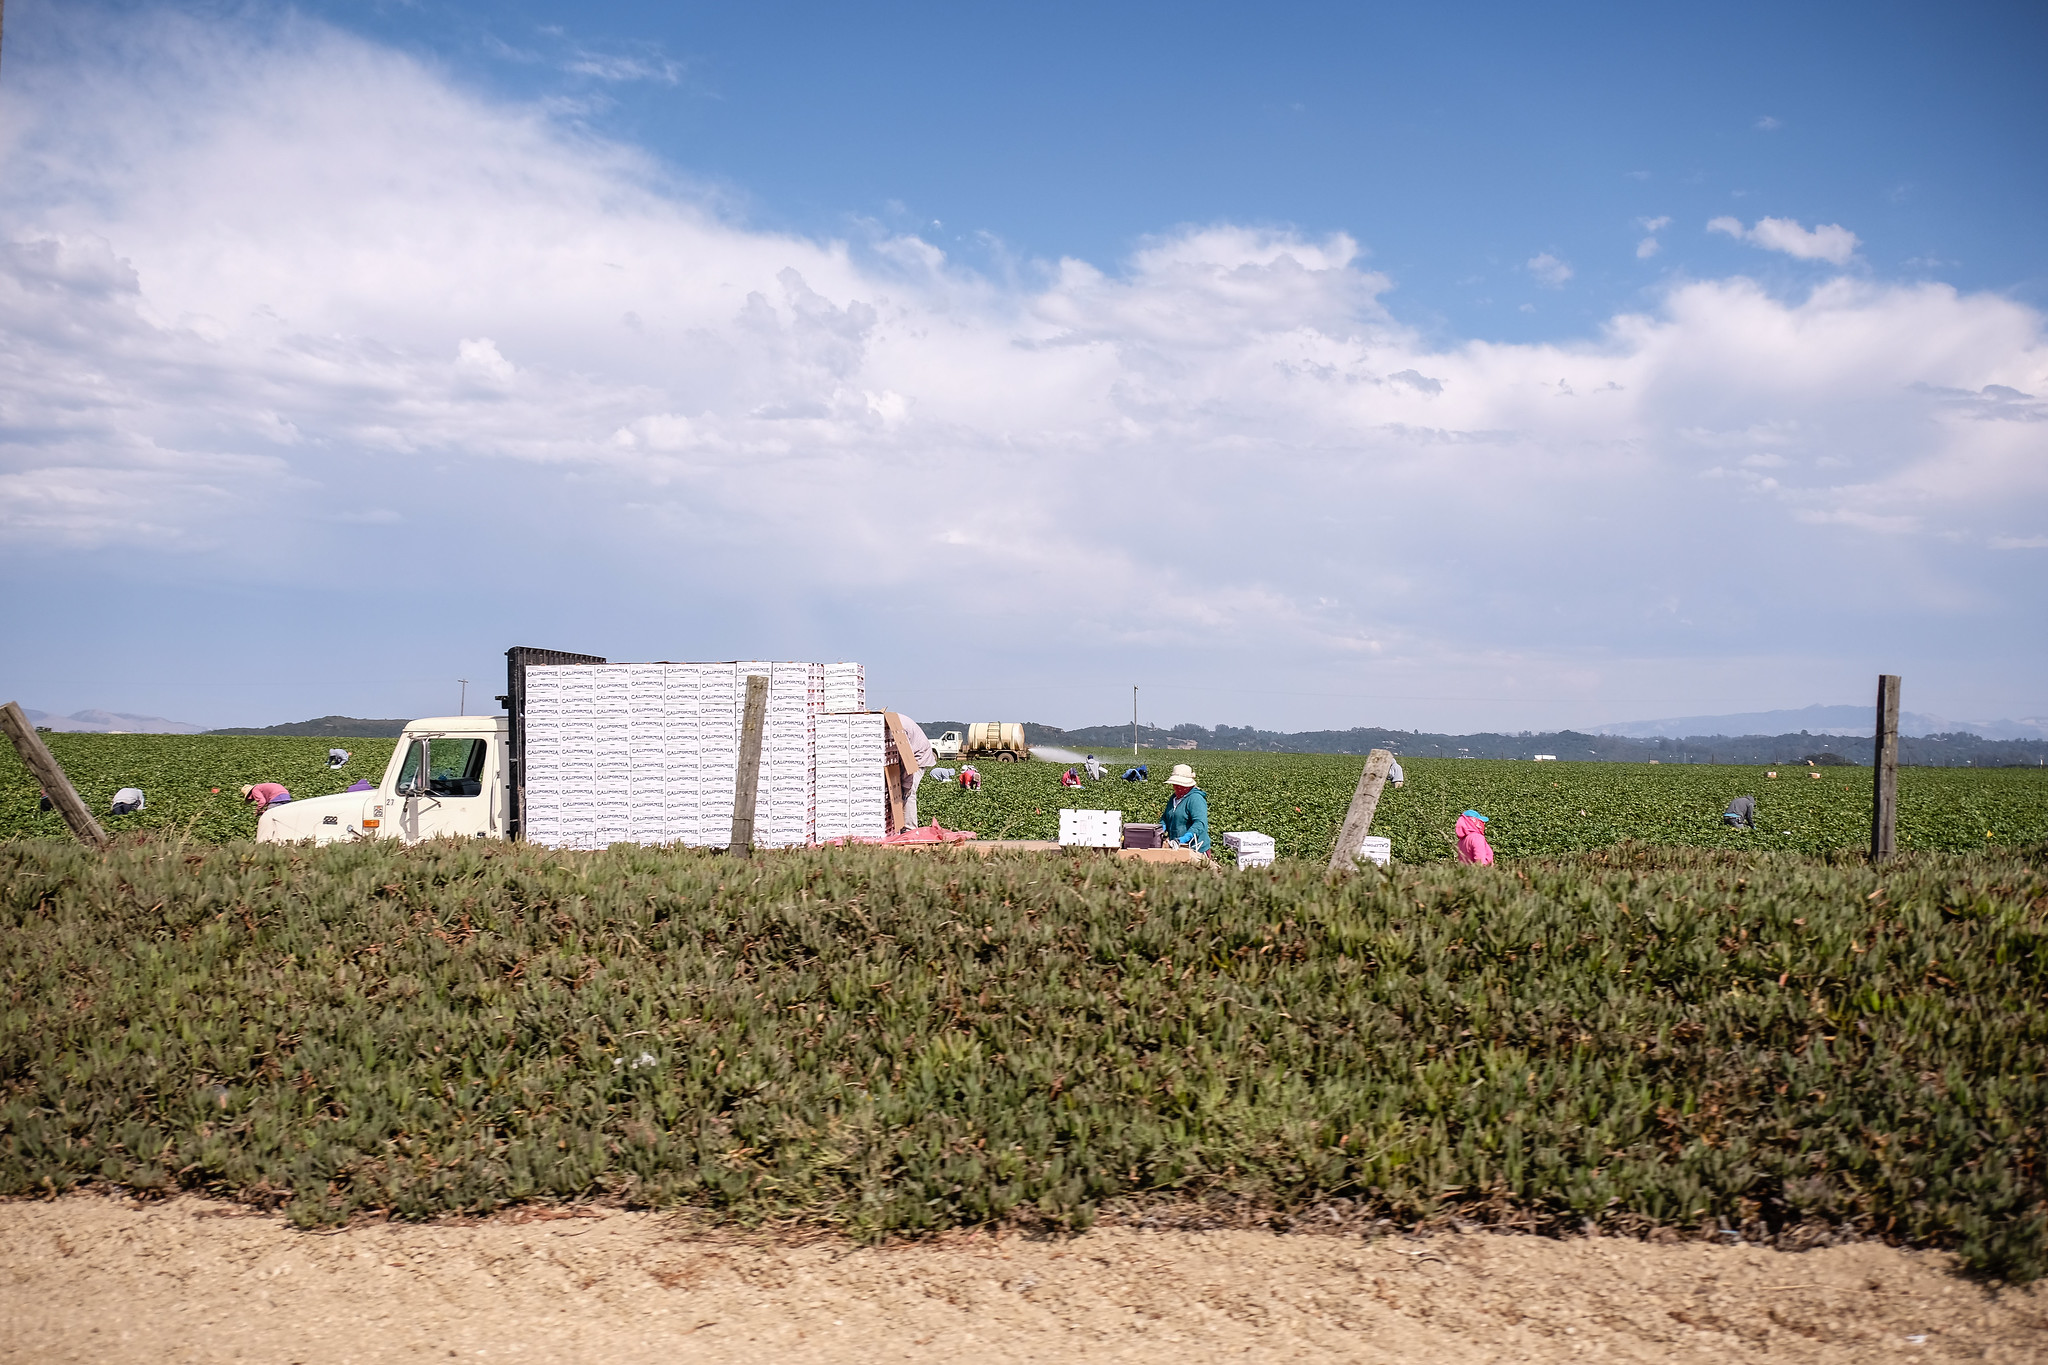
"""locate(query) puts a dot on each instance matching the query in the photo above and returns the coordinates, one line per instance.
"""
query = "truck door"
(456, 795)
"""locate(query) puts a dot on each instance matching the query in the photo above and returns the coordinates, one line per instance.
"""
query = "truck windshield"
(454, 768)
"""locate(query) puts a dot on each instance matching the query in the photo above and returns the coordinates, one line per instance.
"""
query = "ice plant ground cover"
(1299, 799)
(1757, 1043)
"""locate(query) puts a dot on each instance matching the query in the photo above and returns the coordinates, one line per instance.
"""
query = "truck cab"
(946, 745)
(448, 778)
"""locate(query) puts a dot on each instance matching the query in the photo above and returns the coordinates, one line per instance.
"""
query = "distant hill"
(1823, 720)
(352, 727)
(1941, 750)
(111, 722)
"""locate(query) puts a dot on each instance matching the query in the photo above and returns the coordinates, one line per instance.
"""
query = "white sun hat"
(1183, 776)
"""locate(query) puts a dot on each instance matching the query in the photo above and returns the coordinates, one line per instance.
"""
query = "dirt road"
(104, 1280)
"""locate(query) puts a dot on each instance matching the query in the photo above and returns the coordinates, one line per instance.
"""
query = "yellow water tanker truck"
(1002, 740)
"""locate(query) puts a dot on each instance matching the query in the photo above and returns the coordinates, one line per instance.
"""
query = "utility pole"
(464, 703)
(1134, 720)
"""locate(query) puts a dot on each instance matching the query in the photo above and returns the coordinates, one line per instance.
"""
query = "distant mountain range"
(111, 723)
(121, 723)
(1823, 720)
(1945, 749)
(353, 727)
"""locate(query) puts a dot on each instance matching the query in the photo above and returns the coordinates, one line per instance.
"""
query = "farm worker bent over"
(1472, 845)
(1137, 774)
(1395, 775)
(265, 795)
(1070, 778)
(126, 800)
(1094, 767)
(336, 757)
(1741, 811)
(923, 755)
(970, 778)
(1186, 818)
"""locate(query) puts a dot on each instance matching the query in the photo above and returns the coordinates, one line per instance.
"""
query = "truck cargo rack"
(514, 701)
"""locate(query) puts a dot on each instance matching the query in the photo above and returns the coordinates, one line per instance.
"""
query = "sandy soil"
(101, 1279)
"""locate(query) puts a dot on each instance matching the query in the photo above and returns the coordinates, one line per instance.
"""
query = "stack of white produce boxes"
(852, 802)
(647, 753)
(846, 688)
(785, 801)
(1092, 828)
(1253, 849)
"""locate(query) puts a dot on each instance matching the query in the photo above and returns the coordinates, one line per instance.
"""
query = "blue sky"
(1456, 367)
(1458, 141)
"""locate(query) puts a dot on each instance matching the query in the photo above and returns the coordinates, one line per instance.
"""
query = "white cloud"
(1829, 242)
(1549, 270)
(2019, 542)
(1766, 124)
(619, 67)
(271, 281)
(479, 362)
(1646, 248)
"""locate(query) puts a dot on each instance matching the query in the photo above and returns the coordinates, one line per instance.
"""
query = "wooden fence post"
(1884, 802)
(36, 756)
(1364, 801)
(746, 784)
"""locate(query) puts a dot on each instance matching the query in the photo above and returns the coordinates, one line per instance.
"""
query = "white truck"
(590, 753)
(448, 777)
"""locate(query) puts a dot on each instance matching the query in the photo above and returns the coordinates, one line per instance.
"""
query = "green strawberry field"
(1299, 799)
(192, 783)
(1535, 808)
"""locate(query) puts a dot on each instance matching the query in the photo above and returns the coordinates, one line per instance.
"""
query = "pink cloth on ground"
(1472, 845)
(934, 833)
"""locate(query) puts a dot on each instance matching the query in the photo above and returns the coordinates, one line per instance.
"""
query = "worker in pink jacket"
(264, 795)
(1472, 845)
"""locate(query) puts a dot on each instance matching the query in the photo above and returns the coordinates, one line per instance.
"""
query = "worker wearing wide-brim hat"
(1186, 817)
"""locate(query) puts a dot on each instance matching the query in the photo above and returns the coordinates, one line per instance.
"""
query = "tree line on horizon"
(1939, 751)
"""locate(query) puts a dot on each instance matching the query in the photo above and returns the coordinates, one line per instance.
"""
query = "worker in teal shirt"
(1186, 819)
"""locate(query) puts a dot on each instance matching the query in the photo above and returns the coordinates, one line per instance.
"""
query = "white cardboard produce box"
(1253, 849)
(1092, 828)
